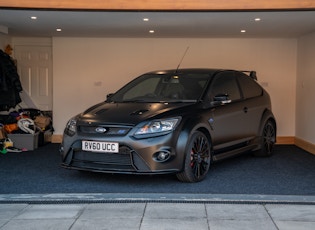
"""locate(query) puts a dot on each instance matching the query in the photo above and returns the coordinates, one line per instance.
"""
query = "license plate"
(97, 146)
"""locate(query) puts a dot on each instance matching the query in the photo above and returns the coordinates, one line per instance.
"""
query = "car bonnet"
(128, 113)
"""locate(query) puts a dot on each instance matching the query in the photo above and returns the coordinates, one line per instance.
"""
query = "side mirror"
(221, 99)
(108, 96)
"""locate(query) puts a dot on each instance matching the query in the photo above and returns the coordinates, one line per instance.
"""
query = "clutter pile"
(21, 130)
(24, 130)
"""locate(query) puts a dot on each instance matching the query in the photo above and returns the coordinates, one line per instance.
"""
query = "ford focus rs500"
(173, 121)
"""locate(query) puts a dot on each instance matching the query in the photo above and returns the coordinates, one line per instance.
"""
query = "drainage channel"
(76, 198)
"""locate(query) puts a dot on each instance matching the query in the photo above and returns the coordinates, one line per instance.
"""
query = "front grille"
(104, 161)
(110, 131)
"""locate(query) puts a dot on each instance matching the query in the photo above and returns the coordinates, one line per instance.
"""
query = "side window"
(225, 83)
(250, 88)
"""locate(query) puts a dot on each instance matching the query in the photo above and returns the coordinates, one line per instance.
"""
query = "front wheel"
(197, 158)
(268, 139)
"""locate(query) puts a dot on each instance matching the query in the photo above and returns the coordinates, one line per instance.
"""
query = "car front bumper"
(135, 156)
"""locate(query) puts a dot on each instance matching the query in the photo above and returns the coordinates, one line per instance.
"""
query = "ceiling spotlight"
(58, 30)
(243, 31)
(257, 19)
(145, 19)
(33, 17)
(151, 31)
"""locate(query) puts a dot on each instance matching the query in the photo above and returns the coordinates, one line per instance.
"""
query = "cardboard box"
(24, 141)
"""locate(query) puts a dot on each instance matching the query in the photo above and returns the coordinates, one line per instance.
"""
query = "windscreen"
(163, 88)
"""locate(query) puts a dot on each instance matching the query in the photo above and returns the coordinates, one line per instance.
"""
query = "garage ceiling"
(131, 24)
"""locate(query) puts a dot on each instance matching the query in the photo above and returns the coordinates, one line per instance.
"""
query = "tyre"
(268, 139)
(197, 159)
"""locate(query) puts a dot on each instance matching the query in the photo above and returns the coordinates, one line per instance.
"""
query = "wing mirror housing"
(221, 99)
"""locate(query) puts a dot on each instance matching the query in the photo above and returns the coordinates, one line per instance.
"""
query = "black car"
(172, 121)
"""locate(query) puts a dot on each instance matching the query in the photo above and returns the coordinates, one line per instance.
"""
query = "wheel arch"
(260, 150)
(267, 116)
(189, 128)
(196, 163)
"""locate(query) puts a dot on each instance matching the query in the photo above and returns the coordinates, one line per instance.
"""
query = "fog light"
(162, 156)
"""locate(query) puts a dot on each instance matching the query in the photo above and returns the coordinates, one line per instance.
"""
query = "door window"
(225, 83)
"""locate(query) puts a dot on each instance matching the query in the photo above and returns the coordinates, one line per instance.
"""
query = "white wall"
(305, 107)
(86, 69)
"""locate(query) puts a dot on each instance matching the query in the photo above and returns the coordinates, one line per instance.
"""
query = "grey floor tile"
(107, 224)
(174, 224)
(292, 212)
(8, 211)
(295, 225)
(51, 211)
(47, 224)
(174, 211)
(242, 224)
(236, 212)
(113, 210)
(3, 222)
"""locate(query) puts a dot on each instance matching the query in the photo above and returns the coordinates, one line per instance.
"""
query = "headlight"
(71, 127)
(158, 126)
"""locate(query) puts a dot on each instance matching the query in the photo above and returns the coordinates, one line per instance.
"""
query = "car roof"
(210, 71)
(187, 70)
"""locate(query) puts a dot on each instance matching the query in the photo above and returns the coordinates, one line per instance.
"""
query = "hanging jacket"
(10, 85)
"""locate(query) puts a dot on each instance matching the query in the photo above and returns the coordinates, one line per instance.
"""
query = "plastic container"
(24, 141)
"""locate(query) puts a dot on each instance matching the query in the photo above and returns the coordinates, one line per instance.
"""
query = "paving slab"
(174, 224)
(39, 224)
(174, 216)
(222, 224)
(8, 211)
(292, 217)
(51, 211)
(292, 212)
(113, 210)
(118, 223)
(236, 212)
(295, 225)
(175, 211)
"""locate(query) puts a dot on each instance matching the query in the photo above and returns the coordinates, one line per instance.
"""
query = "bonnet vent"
(139, 112)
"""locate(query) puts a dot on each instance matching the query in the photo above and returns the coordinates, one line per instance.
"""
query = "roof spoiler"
(252, 74)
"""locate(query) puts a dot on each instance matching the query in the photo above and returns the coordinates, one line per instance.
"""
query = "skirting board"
(56, 138)
(280, 141)
(307, 146)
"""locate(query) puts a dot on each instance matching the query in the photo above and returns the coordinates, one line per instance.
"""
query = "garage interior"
(94, 48)
(274, 39)
(67, 70)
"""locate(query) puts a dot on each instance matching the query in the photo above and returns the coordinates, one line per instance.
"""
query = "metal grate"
(104, 161)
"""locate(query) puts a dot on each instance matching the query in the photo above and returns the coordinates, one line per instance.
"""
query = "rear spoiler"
(252, 74)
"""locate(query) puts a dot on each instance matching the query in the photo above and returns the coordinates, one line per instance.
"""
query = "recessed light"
(257, 19)
(146, 19)
(151, 31)
(243, 31)
(58, 30)
(33, 17)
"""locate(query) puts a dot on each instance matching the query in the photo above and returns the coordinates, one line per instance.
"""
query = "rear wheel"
(197, 159)
(268, 139)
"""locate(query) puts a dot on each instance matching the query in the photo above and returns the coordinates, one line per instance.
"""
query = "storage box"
(24, 141)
